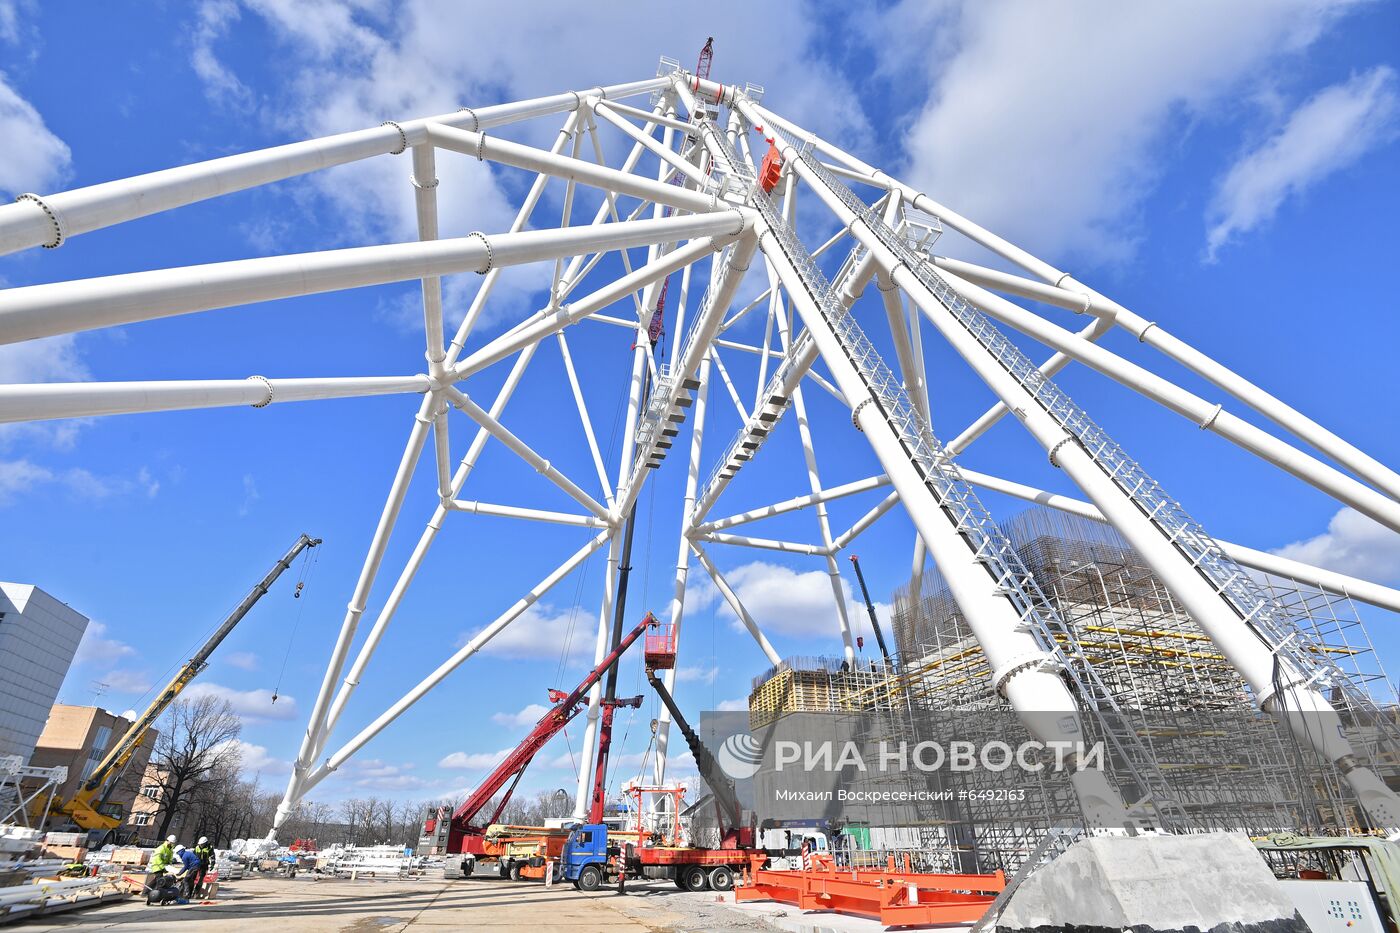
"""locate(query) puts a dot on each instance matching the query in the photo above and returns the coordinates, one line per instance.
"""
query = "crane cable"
(646, 582)
(310, 558)
(567, 643)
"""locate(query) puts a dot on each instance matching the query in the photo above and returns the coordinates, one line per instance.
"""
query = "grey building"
(38, 638)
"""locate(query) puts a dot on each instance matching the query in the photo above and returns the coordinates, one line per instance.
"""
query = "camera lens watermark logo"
(740, 756)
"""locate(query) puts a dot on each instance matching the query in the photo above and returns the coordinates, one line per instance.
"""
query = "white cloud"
(127, 681)
(20, 476)
(474, 761)
(542, 631)
(564, 759)
(44, 360)
(245, 660)
(256, 758)
(9, 20)
(89, 485)
(525, 717)
(377, 774)
(33, 158)
(254, 704)
(736, 705)
(250, 494)
(1352, 544)
(1328, 132)
(1048, 123)
(96, 647)
(212, 22)
(697, 674)
(350, 65)
(788, 602)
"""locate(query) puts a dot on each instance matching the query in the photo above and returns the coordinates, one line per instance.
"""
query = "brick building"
(78, 738)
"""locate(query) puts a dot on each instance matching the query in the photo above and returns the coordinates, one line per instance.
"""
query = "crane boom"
(726, 801)
(870, 608)
(509, 771)
(707, 57)
(83, 808)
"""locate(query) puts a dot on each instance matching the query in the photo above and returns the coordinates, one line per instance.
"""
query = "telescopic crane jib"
(88, 808)
(870, 608)
(661, 655)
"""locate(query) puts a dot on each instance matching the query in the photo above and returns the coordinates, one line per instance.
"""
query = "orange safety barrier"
(892, 897)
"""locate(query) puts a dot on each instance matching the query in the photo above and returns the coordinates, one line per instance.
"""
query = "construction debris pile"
(44, 873)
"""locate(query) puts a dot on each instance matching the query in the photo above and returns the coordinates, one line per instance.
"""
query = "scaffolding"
(1227, 766)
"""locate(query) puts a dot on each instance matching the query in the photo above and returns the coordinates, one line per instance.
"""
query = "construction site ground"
(312, 905)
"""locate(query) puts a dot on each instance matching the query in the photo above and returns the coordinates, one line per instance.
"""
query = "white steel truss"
(706, 214)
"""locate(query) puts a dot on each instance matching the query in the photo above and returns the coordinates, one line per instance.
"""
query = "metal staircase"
(1231, 582)
(970, 518)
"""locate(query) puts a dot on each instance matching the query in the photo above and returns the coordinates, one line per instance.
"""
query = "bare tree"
(222, 804)
(351, 813)
(195, 744)
(371, 822)
(410, 819)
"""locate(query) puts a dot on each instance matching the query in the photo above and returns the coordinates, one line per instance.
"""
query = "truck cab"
(784, 845)
(584, 859)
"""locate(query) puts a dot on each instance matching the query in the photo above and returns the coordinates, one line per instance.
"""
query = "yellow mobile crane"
(88, 808)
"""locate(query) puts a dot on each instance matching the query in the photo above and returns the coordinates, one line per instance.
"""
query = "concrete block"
(1213, 882)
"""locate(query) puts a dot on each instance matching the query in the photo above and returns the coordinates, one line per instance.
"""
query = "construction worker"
(185, 870)
(163, 855)
(205, 853)
(161, 858)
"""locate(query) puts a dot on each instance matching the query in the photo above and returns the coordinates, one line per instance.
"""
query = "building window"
(99, 749)
(152, 791)
(141, 819)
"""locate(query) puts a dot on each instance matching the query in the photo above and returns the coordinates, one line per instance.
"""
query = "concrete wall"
(38, 638)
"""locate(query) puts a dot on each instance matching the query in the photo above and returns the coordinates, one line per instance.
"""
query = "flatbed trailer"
(591, 858)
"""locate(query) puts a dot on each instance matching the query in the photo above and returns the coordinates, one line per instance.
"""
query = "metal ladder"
(1270, 622)
(971, 519)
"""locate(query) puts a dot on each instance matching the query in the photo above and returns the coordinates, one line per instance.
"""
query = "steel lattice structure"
(711, 215)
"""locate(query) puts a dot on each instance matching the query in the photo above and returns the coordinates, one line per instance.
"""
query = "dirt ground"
(310, 905)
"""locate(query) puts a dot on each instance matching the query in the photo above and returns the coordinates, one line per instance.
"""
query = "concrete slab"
(1172, 884)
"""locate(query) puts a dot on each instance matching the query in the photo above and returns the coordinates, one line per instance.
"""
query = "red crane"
(707, 56)
(466, 833)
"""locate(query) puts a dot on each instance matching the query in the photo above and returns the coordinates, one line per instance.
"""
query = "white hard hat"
(170, 839)
(203, 840)
(179, 848)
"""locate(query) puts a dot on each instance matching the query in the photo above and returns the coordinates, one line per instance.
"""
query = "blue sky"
(1227, 170)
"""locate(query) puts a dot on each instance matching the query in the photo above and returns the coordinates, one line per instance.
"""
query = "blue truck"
(592, 857)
